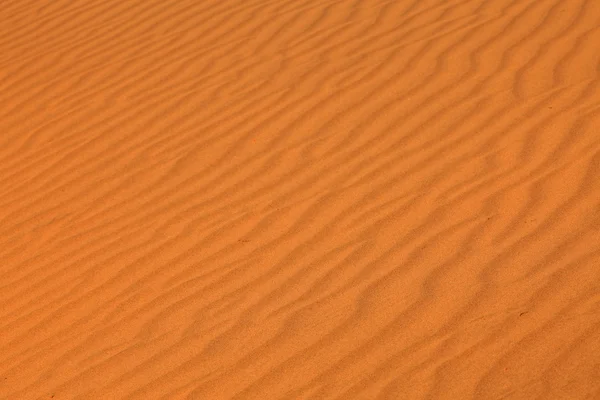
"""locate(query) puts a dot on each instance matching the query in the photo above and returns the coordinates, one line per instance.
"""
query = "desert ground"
(286, 200)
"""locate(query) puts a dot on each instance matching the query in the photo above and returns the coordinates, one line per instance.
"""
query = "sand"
(347, 199)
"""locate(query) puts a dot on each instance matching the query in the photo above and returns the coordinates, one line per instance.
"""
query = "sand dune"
(349, 199)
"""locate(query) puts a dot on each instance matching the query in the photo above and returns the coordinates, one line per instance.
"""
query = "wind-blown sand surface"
(277, 199)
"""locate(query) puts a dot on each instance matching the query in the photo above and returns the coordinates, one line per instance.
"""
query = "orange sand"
(347, 199)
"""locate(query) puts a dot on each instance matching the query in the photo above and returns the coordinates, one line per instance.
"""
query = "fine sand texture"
(300, 200)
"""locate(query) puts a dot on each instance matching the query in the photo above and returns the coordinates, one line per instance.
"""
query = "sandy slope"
(319, 199)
